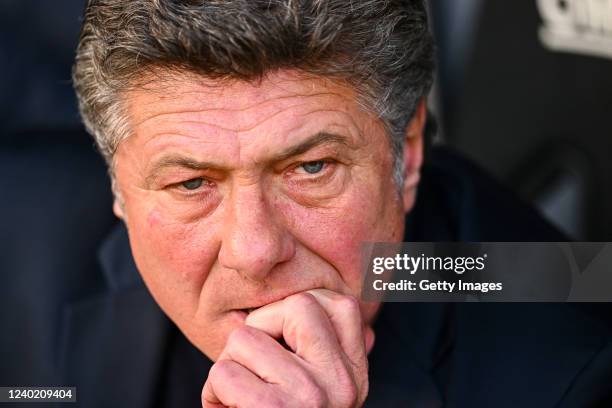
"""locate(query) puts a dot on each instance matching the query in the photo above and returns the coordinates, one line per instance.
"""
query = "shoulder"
(458, 201)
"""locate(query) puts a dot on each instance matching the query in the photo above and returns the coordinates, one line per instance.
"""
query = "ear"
(118, 209)
(413, 154)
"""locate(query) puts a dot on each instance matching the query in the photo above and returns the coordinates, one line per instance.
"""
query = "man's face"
(237, 195)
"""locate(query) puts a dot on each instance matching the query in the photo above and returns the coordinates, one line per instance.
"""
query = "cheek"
(172, 257)
(337, 234)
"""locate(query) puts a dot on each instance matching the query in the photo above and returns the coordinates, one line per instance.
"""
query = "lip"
(239, 315)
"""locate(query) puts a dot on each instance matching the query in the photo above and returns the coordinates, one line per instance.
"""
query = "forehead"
(237, 101)
(244, 124)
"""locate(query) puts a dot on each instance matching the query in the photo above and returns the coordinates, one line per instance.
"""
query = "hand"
(325, 364)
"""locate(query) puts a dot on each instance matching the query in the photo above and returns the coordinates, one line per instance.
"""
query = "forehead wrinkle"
(241, 129)
(350, 118)
(270, 99)
(254, 125)
(199, 139)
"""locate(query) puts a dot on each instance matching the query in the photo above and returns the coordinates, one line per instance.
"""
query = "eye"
(313, 167)
(192, 184)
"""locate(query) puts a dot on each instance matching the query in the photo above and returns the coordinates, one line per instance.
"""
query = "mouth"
(264, 301)
(245, 312)
(240, 315)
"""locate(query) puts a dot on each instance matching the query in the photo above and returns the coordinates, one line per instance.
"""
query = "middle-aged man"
(253, 146)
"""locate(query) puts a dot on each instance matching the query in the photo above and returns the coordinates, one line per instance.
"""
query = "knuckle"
(221, 370)
(204, 400)
(241, 336)
(348, 304)
(300, 300)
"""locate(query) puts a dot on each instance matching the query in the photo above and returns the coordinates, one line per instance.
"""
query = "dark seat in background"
(37, 43)
(536, 117)
(55, 209)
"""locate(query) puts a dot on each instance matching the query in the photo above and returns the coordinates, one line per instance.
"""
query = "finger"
(229, 384)
(269, 319)
(265, 357)
(304, 325)
(345, 315)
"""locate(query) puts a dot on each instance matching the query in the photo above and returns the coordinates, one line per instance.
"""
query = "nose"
(254, 240)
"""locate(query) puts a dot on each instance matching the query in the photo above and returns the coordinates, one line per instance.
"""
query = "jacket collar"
(115, 258)
(113, 342)
(406, 364)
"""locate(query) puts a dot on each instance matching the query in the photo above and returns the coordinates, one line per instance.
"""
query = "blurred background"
(524, 89)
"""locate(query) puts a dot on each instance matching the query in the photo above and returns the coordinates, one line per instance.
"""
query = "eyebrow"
(313, 141)
(174, 160)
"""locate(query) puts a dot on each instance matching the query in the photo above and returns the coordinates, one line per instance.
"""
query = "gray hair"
(382, 48)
